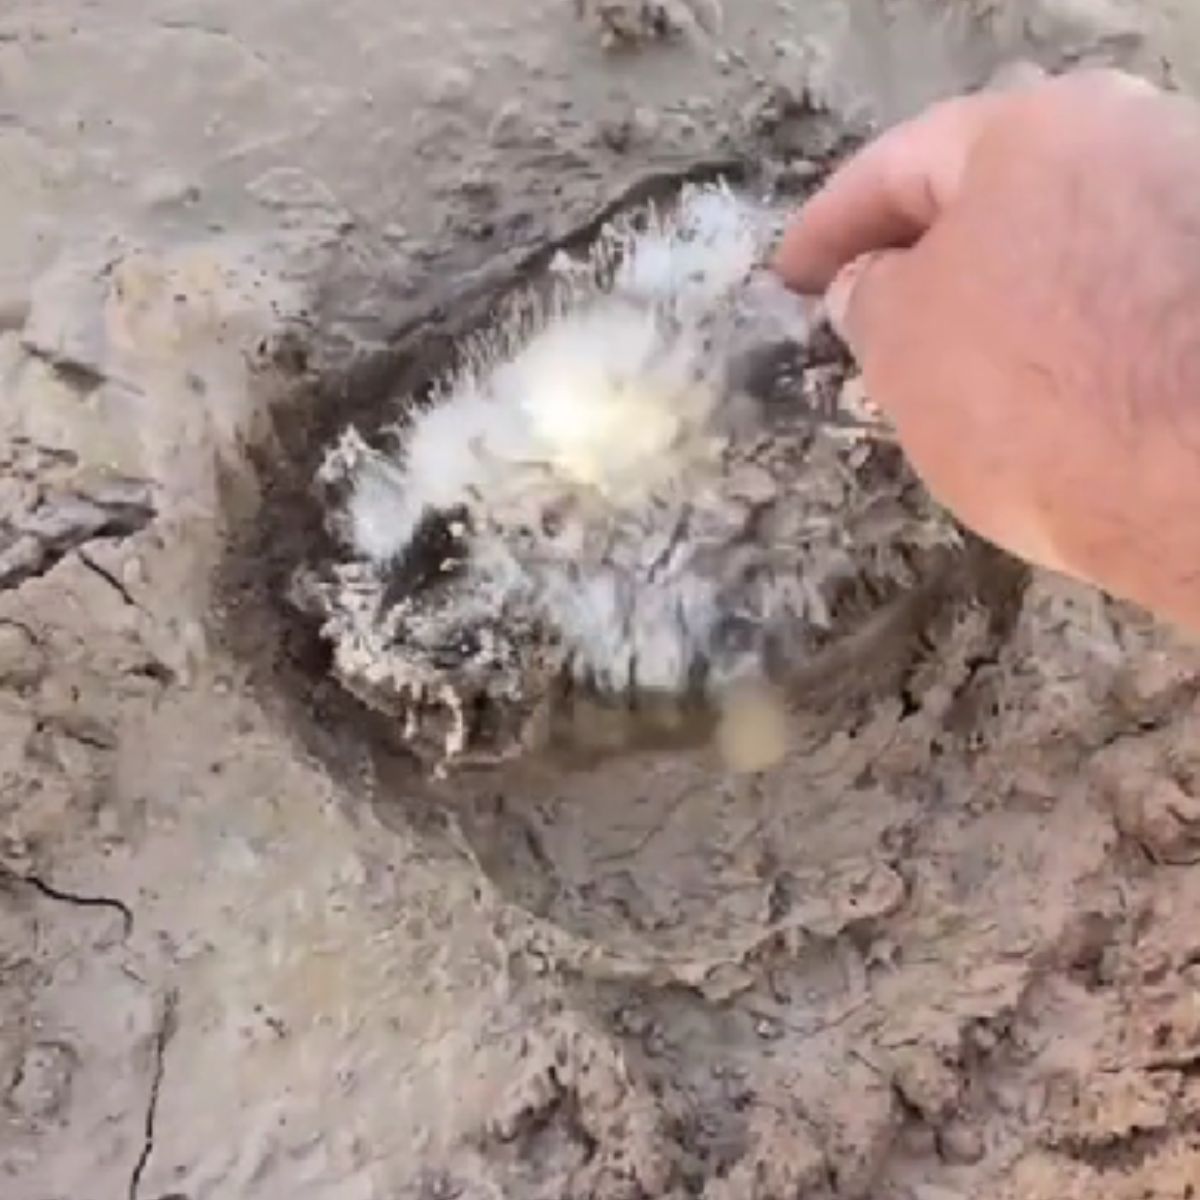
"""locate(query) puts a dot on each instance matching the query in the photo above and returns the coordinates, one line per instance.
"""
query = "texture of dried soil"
(949, 949)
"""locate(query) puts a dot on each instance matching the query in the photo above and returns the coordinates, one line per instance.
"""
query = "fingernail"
(841, 292)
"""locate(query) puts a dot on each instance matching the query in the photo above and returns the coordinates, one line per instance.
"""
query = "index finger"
(887, 195)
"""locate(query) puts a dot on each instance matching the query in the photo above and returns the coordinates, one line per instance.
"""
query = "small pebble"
(768, 1029)
(983, 1038)
(798, 173)
(961, 1145)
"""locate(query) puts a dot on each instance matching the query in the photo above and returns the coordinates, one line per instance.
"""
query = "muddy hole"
(607, 804)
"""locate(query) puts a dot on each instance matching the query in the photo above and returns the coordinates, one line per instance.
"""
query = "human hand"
(1018, 275)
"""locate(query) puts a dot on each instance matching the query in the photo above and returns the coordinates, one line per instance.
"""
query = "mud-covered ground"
(950, 948)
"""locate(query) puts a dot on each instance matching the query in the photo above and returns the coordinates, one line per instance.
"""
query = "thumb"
(865, 299)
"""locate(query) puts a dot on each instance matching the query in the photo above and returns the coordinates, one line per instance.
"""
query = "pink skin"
(1018, 274)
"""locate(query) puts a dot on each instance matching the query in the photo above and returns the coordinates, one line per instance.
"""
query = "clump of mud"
(629, 24)
(640, 503)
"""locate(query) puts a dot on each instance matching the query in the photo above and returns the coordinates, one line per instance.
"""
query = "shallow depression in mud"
(646, 850)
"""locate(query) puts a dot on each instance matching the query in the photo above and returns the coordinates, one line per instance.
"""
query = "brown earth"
(951, 949)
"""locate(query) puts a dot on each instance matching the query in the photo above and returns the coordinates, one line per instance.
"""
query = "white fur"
(609, 393)
(631, 519)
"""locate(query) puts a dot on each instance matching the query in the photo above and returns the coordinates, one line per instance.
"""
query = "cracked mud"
(946, 949)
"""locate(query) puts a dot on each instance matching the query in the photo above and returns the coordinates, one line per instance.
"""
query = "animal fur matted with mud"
(640, 492)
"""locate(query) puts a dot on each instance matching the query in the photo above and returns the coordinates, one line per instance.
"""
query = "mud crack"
(162, 1038)
(1120, 1154)
(34, 541)
(81, 376)
(79, 901)
(108, 577)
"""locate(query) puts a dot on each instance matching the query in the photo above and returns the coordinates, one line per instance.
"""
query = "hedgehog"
(644, 504)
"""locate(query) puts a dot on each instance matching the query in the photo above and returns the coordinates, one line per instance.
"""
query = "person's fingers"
(865, 304)
(888, 194)
(851, 303)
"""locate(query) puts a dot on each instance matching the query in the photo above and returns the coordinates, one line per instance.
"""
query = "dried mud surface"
(948, 949)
